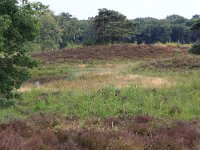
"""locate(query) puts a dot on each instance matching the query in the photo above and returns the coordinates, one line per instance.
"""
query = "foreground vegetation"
(52, 132)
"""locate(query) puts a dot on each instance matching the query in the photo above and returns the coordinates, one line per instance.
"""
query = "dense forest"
(108, 26)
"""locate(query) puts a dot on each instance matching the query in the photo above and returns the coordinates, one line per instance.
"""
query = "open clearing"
(123, 97)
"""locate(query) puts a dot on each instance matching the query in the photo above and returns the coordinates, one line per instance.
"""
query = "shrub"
(5, 103)
(195, 49)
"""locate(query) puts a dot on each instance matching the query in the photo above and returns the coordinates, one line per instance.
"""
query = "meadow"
(136, 92)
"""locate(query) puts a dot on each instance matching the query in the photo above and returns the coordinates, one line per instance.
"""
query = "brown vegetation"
(180, 63)
(50, 131)
(111, 52)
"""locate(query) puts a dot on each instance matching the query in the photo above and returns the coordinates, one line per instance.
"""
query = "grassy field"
(111, 90)
(164, 89)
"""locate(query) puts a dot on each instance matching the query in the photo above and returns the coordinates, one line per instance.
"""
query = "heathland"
(124, 97)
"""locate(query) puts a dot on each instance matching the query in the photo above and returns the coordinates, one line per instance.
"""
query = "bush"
(195, 49)
(5, 103)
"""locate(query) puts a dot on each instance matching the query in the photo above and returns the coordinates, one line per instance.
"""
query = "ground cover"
(83, 98)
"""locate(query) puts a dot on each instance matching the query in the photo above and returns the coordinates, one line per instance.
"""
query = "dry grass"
(100, 76)
(145, 81)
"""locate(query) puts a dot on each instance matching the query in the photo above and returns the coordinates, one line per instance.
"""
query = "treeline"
(173, 28)
(64, 30)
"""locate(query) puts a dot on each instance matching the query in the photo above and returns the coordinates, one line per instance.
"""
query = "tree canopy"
(111, 26)
(195, 49)
(50, 32)
(108, 26)
(196, 25)
(18, 25)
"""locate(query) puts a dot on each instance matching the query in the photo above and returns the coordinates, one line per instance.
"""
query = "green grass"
(181, 101)
(109, 102)
(62, 69)
(49, 70)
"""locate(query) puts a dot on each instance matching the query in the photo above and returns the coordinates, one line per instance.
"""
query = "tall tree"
(196, 25)
(176, 19)
(195, 49)
(151, 30)
(178, 33)
(196, 16)
(111, 26)
(62, 18)
(50, 32)
(89, 33)
(18, 24)
(72, 29)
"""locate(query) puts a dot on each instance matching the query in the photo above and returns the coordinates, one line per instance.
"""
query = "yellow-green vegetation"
(111, 89)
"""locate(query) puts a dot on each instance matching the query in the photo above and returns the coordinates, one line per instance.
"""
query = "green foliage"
(178, 33)
(196, 25)
(50, 32)
(89, 34)
(176, 19)
(196, 46)
(32, 46)
(18, 24)
(5, 103)
(174, 28)
(72, 30)
(111, 26)
(151, 30)
(108, 26)
(195, 49)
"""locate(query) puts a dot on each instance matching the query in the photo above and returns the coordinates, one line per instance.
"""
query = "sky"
(82, 9)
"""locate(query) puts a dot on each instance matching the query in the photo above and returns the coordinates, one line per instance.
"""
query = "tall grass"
(179, 101)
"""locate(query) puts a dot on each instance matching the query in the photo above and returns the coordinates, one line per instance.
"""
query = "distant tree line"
(108, 26)
(173, 28)
(195, 49)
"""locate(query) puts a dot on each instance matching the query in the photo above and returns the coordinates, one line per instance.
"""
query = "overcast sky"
(83, 9)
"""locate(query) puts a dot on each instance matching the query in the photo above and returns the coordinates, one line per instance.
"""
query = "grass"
(105, 90)
(179, 102)
(121, 104)
(114, 88)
